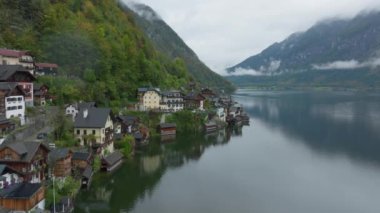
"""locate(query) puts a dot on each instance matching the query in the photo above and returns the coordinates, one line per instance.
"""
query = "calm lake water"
(303, 153)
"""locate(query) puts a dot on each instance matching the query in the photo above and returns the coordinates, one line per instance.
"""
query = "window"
(19, 107)
(85, 132)
(78, 132)
(94, 132)
(19, 99)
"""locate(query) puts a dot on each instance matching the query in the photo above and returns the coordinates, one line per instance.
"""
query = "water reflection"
(138, 178)
(339, 123)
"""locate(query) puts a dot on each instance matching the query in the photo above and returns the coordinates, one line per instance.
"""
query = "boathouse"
(167, 128)
(112, 161)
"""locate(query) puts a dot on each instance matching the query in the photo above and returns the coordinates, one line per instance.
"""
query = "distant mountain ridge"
(167, 41)
(321, 51)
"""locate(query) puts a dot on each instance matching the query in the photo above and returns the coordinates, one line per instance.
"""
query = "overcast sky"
(225, 32)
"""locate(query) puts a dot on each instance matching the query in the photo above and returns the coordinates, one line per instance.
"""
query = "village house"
(41, 94)
(167, 128)
(208, 93)
(93, 127)
(194, 101)
(149, 99)
(172, 101)
(42, 69)
(27, 158)
(23, 197)
(17, 74)
(126, 124)
(17, 57)
(8, 176)
(81, 160)
(60, 162)
(112, 161)
(6, 126)
(12, 102)
(73, 109)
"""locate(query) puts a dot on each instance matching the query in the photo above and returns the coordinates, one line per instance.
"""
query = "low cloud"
(270, 69)
(141, 10)
(348, 65)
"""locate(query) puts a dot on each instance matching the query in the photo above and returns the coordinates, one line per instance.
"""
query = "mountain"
(167, 41)
(103, 55)
(335, 52)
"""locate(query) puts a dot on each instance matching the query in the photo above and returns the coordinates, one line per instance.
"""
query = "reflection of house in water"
(150, 164)
(168, 138)
(173, 158)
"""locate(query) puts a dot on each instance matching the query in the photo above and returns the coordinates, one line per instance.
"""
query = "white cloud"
(347, 65)
(225, 32)
(148, 15)
(264, 70)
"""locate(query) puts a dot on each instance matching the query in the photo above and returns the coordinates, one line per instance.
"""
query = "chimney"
(85, 113)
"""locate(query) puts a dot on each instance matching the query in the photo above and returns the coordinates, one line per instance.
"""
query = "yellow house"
(149, 98)
(93, 127)
(17, 57)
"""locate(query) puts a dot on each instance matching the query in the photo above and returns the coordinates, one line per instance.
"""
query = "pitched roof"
(86, 105)
(113, 158)
(27, 150)
(167, 125)
(10, 86)
(96, 118)
(12, 53)
(6, 71)
(144, 89)
(81, 156)
(58, 154)
(87, 173)
(5, 169)
(21, 190)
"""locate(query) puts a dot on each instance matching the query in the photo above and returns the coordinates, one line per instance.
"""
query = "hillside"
(102, 54)
(337, 53)
(166, 40)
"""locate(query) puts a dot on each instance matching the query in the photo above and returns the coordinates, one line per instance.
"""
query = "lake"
(303, 152)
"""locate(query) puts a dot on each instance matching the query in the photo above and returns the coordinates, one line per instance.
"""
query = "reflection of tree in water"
(330, 124)
(137, 178)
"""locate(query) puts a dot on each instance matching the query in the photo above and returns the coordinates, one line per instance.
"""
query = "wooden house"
(167, 128)
(8, 177)
(23, 197)
(6, 126)
(81, 160)
(86, 177)
(194, 101)
(17, 74)
(46, 69)
(60, 162)
(112, 161)
(208, 93)
(41, 94)
(127, 124)
(28, 158)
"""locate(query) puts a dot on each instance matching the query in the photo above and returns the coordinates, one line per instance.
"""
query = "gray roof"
(20, 190)
(113, 158)
(144, 89)
(81, 156)
(87, 173)
(138, 135)
(5, 169)
(27, 150)
(167, 125)
(58, 154)
(96, 118)
(6, 71)
(86, 105)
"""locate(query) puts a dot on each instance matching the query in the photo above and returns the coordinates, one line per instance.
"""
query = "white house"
(172, 101)
(15, 108)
